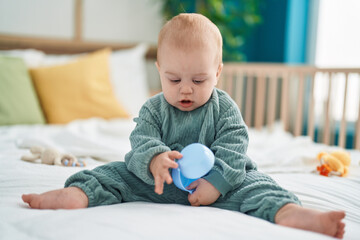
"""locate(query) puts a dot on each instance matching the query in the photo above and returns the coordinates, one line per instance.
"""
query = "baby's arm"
(205, 193)
(65, 198)
(229, 147)
(146, 144)
(159, 168)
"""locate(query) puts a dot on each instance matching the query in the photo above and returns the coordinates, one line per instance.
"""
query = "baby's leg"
(260, 196)
(329, 223)
(66, 198)
(102, 186)
(108, 184)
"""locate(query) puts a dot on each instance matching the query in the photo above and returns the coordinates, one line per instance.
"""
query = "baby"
(190, 109)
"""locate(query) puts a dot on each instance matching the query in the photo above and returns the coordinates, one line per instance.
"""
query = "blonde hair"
(189, 30)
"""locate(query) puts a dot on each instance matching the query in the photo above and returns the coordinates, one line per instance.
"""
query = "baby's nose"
(186, 89)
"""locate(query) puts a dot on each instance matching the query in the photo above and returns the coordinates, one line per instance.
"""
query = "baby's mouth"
(186, 103)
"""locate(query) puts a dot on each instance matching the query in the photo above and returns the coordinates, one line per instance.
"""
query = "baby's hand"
(205, 193)
(159, 167)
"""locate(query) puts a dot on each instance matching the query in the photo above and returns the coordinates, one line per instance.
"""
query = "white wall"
(124, 21)
(119, 21)
(49, 18)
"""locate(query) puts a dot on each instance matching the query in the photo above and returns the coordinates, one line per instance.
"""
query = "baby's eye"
(197, 81)
(175, 80)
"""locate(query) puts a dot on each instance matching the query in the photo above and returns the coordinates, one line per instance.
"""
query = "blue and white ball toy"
(196, 162)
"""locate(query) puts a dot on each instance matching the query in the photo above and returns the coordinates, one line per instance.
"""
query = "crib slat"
(249, 99)
(285, 100)
(260, 101)
(311, 107)
(299, 110)
(342, 139)
(357, 133)
(326, 137)
(272, 100)
(229, 83)
(239, 89)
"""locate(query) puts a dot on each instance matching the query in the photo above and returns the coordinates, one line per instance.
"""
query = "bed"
(281, 144)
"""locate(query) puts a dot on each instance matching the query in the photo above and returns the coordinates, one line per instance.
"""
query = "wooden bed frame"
(56, 46)
(262, 91)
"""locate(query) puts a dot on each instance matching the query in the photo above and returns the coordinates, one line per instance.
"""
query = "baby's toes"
(340, 231)
(32, 200)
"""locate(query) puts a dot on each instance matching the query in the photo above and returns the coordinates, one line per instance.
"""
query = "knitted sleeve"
(230, 146)
(145, 142)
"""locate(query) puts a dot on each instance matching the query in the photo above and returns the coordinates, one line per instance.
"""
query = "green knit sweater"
(217, 124)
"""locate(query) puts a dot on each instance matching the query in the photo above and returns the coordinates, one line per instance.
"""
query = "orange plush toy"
(335, 163)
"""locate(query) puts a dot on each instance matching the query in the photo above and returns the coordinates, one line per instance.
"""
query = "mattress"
(289, 160)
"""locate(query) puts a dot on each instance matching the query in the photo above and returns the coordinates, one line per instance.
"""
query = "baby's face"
(188, 77)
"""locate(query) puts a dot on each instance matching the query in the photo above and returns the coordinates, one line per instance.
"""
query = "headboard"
(56, 46)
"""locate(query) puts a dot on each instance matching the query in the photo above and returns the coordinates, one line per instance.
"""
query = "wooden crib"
(266, 93)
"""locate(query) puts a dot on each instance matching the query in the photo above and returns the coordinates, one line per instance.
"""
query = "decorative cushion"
(78, 90)
(18, 100)
(127, 75)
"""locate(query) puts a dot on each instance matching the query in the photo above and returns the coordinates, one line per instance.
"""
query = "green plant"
(234, 18)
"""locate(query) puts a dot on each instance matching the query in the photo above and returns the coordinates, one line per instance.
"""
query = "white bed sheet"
(290, 161)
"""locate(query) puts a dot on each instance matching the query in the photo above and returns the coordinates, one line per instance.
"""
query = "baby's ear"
(157, 66)
(218, 73)
(220, 68)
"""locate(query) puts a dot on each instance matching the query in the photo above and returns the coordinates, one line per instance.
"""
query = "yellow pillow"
(77, 90)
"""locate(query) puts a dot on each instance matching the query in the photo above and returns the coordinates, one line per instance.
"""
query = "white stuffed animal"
(52, 157)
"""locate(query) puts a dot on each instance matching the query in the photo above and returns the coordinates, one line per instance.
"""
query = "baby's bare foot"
(329, 223)
(66, 198)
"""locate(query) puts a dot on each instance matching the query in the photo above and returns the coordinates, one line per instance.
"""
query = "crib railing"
(266, 93)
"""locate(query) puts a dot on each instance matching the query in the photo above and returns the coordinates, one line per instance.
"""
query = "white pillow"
(128, 76)
(31, 57)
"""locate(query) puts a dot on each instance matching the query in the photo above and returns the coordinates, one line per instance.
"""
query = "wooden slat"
(299, 107)
(260, 100)
(271, 107)
(357, 133)
(249, 99)
(326, 130)
(342, 134)
(311, 107)
(284, 111)
(78, 20)
(239, 89)
(229, 83)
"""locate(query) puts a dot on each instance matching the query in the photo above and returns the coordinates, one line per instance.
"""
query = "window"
(338, 45)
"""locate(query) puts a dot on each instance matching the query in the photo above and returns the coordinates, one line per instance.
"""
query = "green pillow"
(18, 100)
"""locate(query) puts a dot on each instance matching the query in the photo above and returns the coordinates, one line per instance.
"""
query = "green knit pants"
(258, 195)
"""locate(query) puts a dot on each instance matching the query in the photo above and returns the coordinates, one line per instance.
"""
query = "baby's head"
(189, 60)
